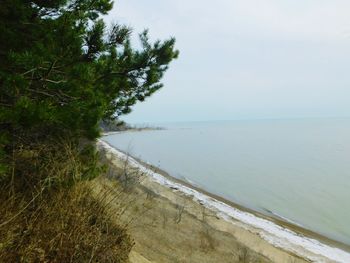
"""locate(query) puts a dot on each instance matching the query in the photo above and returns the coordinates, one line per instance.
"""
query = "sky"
(246, 59)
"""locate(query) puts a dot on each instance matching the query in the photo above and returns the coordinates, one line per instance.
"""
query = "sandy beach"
(172, 221)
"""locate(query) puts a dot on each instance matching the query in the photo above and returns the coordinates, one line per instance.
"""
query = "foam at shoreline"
(278, 236)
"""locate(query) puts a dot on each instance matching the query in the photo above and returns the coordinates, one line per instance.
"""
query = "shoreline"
(280, 234)
(132, 130)
(272, 217)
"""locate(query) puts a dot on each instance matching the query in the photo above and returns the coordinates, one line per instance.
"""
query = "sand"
(169, 226)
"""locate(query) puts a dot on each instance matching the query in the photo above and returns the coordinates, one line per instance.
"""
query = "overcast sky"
(246, 59)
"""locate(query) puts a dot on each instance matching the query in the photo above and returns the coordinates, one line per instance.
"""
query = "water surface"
(298, 170)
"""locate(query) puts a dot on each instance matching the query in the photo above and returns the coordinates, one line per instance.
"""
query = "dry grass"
(67, 226)
(48, 214)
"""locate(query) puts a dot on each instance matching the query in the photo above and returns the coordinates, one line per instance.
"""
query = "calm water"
(296, 169)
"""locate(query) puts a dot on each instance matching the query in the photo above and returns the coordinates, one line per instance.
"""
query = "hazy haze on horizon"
(246, 59)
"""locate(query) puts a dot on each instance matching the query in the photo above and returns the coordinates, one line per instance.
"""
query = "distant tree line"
(114, 125)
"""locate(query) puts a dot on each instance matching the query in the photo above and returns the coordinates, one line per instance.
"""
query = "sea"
(295, 170)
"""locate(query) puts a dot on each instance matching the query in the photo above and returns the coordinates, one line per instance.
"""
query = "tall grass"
(47, 211)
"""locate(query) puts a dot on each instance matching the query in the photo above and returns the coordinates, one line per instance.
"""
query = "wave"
(276, 235)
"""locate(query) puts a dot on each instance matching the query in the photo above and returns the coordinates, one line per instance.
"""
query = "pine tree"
(62, 70)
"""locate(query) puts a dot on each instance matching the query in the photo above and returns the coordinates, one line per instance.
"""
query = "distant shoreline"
(324, 242)
(133, 129)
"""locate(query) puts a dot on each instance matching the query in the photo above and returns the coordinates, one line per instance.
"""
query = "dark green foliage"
(62, 74)
(114, 125)
(62, 71)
